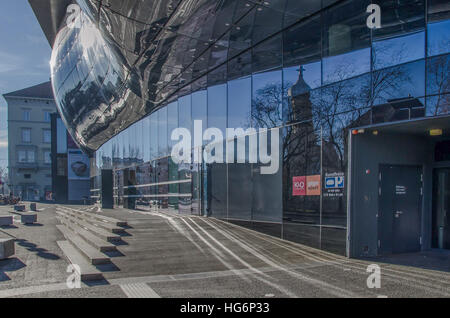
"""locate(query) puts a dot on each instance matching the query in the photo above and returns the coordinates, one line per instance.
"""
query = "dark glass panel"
(345, 28)
(241, 35)
(240, 190)
(302, 43)
(217, 191)
(301, 233)
(438, 10)
(267, 55)
(267, 22)
(400, 17)
(267, 195)
(240, 66)
(334, 240)
(296, 10)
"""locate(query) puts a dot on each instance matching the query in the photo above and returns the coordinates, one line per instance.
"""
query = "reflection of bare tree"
(266, 110)
(438, 85)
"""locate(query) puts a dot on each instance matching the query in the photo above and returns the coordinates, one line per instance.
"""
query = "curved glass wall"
(313, 73)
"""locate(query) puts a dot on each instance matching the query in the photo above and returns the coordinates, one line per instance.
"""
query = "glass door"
(441, 208)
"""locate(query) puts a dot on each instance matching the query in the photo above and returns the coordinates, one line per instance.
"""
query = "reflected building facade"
(131, 72)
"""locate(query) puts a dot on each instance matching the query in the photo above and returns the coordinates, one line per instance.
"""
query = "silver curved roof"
(128, 57)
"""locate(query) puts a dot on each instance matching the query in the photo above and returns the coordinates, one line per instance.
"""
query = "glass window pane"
(239, 103)
(438, 70)
(344, 66)
(162, 132)
(399, 17)
(154, 136)
(302, 43)
(267, 109)
(267, 55)
(217, 107)
(398, 50)
(438, 10)
(399, 82)
(438, 105)
(172, 122)
(345, 28)
(439, 38)
(146, 138)
(200, 109)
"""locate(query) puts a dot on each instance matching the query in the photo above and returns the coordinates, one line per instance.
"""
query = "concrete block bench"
(6, 220)
(7, 248)
(28, 218)
(19, 208)
(33, 207)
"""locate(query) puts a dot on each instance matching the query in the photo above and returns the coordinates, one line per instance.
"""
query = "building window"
(26, 115)
(26, 156)
(22, 156)
(27, 176)
(47, 136)
(47, 116)
(31, 156)
(26, 135)
(47, 157)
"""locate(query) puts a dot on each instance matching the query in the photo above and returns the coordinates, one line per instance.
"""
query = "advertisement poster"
(78, 165)
(307, 186)
(334, 185)
(299, 186)
(313, 185)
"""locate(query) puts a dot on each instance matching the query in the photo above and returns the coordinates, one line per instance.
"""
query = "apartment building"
(29, 140)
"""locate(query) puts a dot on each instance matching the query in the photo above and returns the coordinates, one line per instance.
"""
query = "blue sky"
(24, 57)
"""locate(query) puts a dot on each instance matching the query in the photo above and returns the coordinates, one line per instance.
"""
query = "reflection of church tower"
(304, 133)
(300, 99)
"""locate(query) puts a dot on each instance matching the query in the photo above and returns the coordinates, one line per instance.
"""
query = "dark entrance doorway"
(400, 201)
(441, 209)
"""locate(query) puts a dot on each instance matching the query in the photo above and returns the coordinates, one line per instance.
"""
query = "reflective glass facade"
(311, 68)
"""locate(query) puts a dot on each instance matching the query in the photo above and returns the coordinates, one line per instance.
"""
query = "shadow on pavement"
(10, 265)
(41, 252)
(8, 227)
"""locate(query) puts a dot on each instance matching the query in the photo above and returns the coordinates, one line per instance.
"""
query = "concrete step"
(100, 244)
(103, 224)
(100, 232)
(98, 217)
(88, 271)
(94, 256)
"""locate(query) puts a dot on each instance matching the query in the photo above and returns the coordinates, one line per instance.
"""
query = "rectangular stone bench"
(33, 207)
(28, 218)
(7, 248)
(19, 208)
(6, 220)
